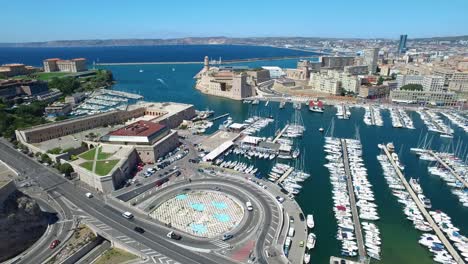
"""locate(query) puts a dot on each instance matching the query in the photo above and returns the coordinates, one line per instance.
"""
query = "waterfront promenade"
(352, 198)
(423, 210)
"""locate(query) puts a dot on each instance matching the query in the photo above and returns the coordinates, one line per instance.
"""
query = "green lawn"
(115, 255)
(88, 155)
(103, 167)
(87, 165)
(45, 76)
(103, 155)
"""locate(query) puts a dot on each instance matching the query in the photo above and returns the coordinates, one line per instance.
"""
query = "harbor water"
(399, 238)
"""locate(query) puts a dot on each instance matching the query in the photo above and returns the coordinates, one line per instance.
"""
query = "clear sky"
(42, 20)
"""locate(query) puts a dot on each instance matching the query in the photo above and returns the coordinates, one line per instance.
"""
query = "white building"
(275, 72)
(371, 57)
(433, 83)
(403, 80)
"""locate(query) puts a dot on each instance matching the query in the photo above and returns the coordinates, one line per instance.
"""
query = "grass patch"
(115, 255)
(88, 155)
(87, 165)
(45, 76)
(103, 155)
(104, 167)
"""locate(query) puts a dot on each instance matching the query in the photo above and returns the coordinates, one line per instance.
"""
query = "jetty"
(448, 167)
(280, 133)
(423, 210)
(201, 62)
(219, 117)
(285, 175)
(352, 198)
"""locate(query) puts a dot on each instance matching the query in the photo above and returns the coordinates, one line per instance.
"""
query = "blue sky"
(35, 20)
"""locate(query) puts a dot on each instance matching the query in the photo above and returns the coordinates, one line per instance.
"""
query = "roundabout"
(201, 213)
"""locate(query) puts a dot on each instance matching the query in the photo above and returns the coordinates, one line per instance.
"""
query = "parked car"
(54, 244)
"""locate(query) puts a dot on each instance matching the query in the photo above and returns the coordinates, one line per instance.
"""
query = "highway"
(51, 181)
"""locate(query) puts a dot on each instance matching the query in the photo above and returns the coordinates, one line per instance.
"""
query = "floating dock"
(423, 210)
(280, 133)
(454, 173)
(285, 175)
(352, 198)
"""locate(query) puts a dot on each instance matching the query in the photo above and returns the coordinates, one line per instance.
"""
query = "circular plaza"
(201, 213)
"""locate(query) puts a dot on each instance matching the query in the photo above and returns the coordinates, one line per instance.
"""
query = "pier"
(423, 210)
(285, 175)
(280, 133)
(219, 117)
(454, 173)
(352, 198)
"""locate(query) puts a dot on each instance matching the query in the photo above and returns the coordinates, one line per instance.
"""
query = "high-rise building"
(402, 44)
(370, 59)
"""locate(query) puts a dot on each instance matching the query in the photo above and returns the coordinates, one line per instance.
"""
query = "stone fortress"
(142, 133)
(231, 82)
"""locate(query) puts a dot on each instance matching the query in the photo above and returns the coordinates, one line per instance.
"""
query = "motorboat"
(311, 239)
(310, 221)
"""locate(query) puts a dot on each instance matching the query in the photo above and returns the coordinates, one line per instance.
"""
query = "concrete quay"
(352, 198)
(423, 210)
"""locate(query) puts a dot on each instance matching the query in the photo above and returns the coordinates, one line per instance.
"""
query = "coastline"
(201, 62)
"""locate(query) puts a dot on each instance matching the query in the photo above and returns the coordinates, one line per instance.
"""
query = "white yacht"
(310, 221)
(311, 239)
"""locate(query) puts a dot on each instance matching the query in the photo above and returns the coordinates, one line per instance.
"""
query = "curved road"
(51, 181)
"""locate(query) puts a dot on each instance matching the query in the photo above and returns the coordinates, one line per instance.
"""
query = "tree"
(412, 87)
(66, 169)
(45, 158)
(67, 85)
(380, 80)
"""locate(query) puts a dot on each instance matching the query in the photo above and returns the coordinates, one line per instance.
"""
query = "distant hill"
(270, 41)
(450, 38)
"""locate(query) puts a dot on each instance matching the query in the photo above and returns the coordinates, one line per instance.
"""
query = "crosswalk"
(220, 243)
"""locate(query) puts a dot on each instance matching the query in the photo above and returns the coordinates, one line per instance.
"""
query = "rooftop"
(138, 129)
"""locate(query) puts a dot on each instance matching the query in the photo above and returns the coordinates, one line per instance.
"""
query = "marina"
(372, 116)
(312, 141)
(435, 124)
(400, 118)
(422, 213)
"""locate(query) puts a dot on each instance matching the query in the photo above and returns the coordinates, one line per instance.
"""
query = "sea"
(174, 82)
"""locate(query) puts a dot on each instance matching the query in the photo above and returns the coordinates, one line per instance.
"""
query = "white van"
(127, 215)
(291, 232)
(249, 206)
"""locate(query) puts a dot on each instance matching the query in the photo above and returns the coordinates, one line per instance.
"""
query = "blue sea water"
(169, 53)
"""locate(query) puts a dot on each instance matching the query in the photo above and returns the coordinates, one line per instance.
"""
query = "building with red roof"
(151, 140)
(59, 65)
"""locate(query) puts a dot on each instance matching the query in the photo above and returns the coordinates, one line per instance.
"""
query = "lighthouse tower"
(206, 63)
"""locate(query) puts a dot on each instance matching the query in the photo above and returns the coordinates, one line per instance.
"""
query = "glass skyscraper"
(402, 45)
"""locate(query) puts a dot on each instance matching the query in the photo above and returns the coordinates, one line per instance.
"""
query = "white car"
(89, 195)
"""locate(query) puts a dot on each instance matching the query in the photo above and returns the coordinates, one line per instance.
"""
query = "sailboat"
(316, 108)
